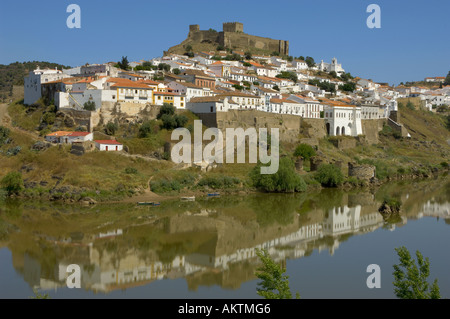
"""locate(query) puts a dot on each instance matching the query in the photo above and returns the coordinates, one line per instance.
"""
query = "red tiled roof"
(79, 134)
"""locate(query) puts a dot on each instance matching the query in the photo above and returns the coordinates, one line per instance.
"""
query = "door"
(106, 148)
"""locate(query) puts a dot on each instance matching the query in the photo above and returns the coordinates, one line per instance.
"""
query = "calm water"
(206, 248)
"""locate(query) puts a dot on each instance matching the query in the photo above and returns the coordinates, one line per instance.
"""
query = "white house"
(56, 137)
(312, 108)
(108, 145)
(32, 83)
(342, 119)
(299, 64)
(188, 89)
(334, 66)
(75, 137)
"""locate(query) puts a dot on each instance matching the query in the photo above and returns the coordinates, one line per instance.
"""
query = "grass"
(20, 118)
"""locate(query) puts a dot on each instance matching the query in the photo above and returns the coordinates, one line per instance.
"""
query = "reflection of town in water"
(208, 242)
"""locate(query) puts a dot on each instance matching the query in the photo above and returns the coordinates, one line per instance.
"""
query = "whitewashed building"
(342, 119)
(108, 145)
(329, 67)
(32, 83)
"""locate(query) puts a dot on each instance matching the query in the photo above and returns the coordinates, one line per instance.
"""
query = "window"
(159, 97)
(113, 97)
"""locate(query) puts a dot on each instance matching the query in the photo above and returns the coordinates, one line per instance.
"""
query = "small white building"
(77, 137)
(108, 145)
(342, 119)
(329, 67)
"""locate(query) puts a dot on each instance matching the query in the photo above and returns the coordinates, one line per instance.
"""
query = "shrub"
(410, 106)
(12, 183)
(13, 151)
(444, 164)
(284, 180)
(89, 106)
(220, 181)
(145, 129)
(4, 135)
(304, 150)
(111, 128)
(48, 118)
(329, 175)
(131, 170)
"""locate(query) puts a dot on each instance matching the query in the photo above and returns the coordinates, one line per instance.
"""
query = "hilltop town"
(119, 106)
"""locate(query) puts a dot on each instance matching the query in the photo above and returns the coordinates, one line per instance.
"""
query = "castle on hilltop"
(232, 37)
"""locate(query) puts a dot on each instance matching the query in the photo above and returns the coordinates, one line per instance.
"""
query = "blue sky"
(413, 41)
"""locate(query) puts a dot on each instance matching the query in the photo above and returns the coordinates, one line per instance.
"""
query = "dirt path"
(3, 110)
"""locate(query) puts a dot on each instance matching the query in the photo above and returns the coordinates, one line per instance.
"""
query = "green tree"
(285, 180)
(329, 175)
(248, 55)
(189, 48)
(288, 75)
(276, 88)
(166, 108)
(310, 61)
(410, 281)
(124, 63)
(164, 66)
(348, 87)
(274, 283)
(304, 150)
(12, 183)
(275, 53)
(145, 129)
(176, 71)
(168, 121)
(111, 128)
(89, 106)
(447, 79)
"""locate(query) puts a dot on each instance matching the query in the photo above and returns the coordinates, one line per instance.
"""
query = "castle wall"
(242, 40)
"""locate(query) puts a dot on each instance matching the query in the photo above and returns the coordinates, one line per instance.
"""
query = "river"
(206, 248)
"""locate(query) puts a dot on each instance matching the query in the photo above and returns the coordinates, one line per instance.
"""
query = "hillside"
(54, 173)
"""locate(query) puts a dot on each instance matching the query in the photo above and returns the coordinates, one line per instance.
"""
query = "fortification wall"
(202, 36)
(242, 40)
(126, 111)
(370, 129)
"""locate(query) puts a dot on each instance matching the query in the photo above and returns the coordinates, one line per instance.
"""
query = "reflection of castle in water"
(226, 257)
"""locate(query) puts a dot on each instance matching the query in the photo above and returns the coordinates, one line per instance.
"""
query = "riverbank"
(52, 173)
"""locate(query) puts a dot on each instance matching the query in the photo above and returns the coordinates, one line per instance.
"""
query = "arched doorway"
(328, 128)
(338, 131)
(343, 130)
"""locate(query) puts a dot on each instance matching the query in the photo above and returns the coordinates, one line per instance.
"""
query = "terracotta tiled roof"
(76, 134)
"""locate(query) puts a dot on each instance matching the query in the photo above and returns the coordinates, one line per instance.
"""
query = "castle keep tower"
(233, 27)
